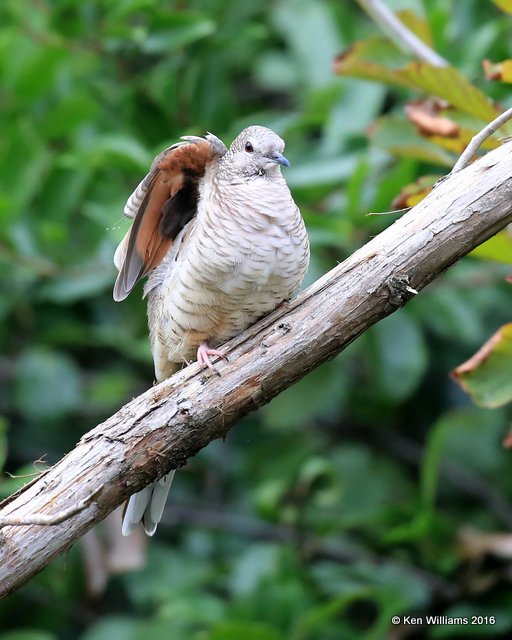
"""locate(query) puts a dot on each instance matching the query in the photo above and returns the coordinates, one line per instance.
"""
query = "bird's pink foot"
(203, 355)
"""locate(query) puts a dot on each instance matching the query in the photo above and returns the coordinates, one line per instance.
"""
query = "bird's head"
(257, 151)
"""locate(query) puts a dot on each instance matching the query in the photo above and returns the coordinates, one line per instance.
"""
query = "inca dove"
(223, 243)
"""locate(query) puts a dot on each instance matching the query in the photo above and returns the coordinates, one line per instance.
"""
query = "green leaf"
(257, 562)
(322, 392)
(399, 354)
(498, 248)
(400, 137)
(122, 150)
(69, 113)
(27, 634)
(302, 23)
(450, 84)
(450, 312)
(375, 58)
(33, 74)
(188, 29)
(108, 389)
(430, 465)
(320, 171)
(3, 441)
(314, 620)
(166, 571)
(85, 283)
(367, 60)
(112, 628)
(487, 375)
(232, 630)
(385, 584)
(473, 429)
(504, 5)
(23, 165)
(363, 495)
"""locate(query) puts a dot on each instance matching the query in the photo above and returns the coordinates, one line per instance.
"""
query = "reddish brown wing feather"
(149, 243)
(176, 169)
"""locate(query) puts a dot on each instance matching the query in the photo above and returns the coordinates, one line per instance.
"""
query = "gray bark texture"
(172, 421)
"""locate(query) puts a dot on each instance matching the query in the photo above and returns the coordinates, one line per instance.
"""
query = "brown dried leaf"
(507, 443)
(425, 114)
(501, 71)
(413, 193)
(473, 544)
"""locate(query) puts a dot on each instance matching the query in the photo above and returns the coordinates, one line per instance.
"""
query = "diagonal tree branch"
(171, 422)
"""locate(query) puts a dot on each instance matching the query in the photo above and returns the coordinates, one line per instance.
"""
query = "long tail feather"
(147, 506)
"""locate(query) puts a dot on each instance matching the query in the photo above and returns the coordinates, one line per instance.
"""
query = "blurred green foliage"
(378, 461)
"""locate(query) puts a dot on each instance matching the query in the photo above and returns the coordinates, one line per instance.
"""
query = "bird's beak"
(280, 159)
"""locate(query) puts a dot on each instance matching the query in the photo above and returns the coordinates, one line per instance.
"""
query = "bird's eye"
(248, 147)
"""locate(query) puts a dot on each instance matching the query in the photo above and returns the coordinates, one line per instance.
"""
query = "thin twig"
(43, 519)
(388, 213)
(480, 138)
(401, 35)
(409, 42)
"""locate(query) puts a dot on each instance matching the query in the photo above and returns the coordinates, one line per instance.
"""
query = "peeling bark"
(171, 422)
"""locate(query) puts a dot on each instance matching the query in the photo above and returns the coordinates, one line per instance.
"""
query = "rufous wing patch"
(165, 201)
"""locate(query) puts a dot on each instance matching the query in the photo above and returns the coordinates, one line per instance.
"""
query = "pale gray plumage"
(243, 251)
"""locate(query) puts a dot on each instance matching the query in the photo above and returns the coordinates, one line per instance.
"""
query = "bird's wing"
(163, 203)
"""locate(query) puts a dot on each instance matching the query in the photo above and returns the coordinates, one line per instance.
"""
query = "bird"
(222, 243)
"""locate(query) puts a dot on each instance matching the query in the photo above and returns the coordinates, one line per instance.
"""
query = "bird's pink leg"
(203, 355)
